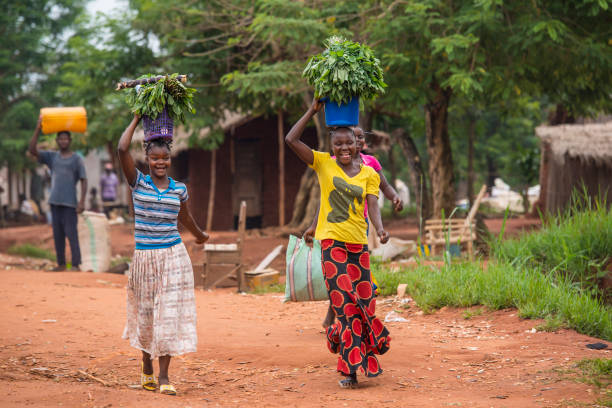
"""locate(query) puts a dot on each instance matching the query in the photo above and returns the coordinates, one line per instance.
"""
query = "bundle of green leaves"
(151, 99)
(344, 70)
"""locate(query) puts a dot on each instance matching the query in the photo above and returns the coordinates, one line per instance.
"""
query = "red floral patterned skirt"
(357, 336)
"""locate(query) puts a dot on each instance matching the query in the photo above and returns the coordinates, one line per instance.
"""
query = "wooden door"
(247, 185)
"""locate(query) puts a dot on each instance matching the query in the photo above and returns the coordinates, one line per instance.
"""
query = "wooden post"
(281, 169)
(470, 218)
(241, 233)
(470, 164)
(211, 193)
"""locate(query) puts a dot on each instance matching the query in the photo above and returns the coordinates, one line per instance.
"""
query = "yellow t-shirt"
(342, 200)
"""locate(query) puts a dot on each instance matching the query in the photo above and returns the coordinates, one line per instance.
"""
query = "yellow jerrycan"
(72, 119)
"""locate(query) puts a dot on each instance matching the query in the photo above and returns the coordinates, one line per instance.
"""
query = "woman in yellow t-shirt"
(346, 186)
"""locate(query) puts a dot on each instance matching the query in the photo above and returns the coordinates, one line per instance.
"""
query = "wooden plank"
(241, 234)
(474, 208)
(458, 227)
(217, 275)
(452, 221)
(269, 258)
(222, 257)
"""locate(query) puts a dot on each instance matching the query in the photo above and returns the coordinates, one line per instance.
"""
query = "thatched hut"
(573, 157)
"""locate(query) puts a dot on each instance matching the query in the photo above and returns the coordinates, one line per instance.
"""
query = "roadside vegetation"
(31, 251)
(552, 274)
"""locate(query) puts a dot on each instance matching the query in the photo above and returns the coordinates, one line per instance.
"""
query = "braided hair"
(158, 142)
(333, 130)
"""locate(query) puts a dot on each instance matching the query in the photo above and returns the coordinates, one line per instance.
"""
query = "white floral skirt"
(161, 311)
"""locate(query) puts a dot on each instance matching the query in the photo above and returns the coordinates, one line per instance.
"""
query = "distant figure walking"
(161, 310)
(108, 187)
(67, 170)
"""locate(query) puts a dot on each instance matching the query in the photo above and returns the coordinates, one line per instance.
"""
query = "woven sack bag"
(304, 281)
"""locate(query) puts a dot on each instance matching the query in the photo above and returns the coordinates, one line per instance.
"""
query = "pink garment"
(372, 162)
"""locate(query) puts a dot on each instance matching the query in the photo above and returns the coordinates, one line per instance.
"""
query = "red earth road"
(60, 345)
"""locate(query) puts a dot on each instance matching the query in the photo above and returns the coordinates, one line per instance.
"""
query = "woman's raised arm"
(123, 150)
(293, 137)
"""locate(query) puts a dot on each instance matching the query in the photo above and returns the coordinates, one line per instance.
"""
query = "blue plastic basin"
(345, 114)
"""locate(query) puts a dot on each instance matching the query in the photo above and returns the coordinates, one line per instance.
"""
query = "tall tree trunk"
(439, 151)
(560, 116)
(281, 169)
(213, 188)
(491, 173)
(418, 182)
(470, 163)
(392, 166)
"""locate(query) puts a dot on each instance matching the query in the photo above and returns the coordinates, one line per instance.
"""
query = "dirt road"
(60, 345)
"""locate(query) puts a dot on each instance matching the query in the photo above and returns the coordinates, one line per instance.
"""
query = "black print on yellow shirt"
(341, 198)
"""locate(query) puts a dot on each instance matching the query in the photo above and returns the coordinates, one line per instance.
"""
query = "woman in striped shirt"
(161, 312)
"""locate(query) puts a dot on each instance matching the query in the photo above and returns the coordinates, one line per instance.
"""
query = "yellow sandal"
(147, 381)
(167, 389)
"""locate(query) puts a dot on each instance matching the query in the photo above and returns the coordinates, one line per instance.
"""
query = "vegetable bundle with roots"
(150, 95)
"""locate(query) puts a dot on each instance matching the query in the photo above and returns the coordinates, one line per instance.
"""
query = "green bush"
(576, 244)
(502, 286)
(32, 251)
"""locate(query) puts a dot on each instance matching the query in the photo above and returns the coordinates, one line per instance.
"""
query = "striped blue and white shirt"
(156, 212)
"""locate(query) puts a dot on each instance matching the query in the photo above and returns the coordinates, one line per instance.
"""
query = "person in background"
(67, 170)
(108, 187)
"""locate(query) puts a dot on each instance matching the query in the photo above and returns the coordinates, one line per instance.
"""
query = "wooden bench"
(454, 231)
(222, 266)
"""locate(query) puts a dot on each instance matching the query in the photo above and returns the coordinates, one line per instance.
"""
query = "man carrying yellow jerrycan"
(66, 170)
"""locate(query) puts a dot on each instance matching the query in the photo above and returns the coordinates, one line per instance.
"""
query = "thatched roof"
(588, 142)
(180, 143)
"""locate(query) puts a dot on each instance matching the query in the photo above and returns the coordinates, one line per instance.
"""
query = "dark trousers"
(64, 222)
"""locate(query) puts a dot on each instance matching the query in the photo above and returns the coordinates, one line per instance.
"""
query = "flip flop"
(147, 381)
(349, 382)
(167, 389)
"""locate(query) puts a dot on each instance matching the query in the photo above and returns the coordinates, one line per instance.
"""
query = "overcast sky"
(105, 5)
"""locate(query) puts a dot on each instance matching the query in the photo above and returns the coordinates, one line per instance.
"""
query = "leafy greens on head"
(344, 70)
(151, 99)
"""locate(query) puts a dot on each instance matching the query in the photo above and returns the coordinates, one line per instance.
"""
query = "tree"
(32, 48)
(489, 51)
(102, 52)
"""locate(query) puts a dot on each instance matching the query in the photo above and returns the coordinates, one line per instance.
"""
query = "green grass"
(551, 274)
(31, 251)
(576, 244)
(502, 286)
(469, 313)
(274, 288)
(598, 372)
